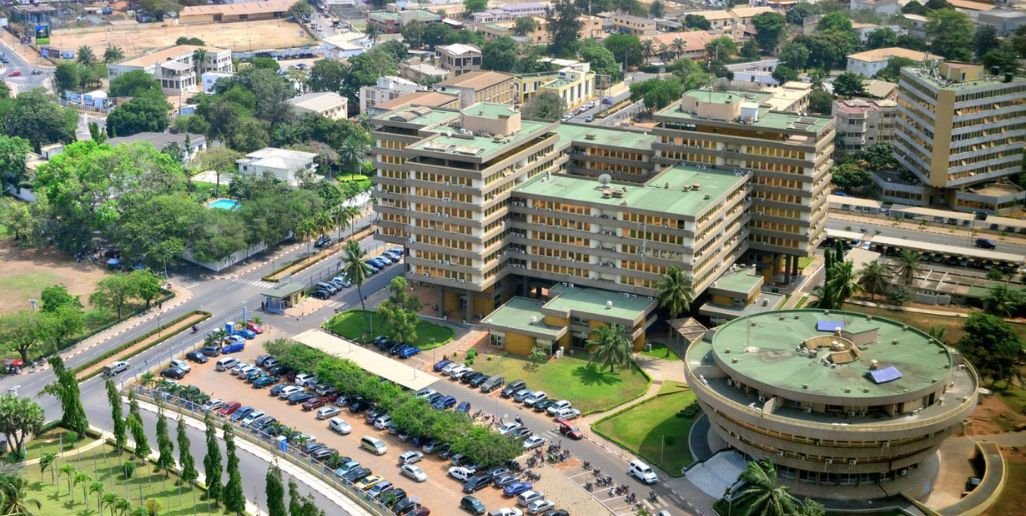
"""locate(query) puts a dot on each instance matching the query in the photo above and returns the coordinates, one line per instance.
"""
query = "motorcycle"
(652, 496)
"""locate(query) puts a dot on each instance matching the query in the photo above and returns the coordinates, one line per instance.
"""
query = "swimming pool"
(224, 204)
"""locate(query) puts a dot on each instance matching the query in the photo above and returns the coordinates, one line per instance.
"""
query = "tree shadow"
(591, 375)
(666, 444)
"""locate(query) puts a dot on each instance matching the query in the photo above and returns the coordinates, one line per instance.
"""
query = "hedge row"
(410, 414)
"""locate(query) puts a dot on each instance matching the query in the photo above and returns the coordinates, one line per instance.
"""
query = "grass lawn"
(652, 429)
(353, 323)
(660, 351)
(571, 378)
(104, 464)
(1013, 496)
(952, 325)
(363, 181)
(803, 262)
(206, 190)
(49, 441)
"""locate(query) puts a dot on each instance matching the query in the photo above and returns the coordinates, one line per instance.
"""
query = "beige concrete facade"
(864, 122)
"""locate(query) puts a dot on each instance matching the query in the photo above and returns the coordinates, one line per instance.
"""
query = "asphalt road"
(960, 238)
(27, 81)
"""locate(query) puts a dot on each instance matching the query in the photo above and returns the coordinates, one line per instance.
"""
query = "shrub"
(471, 354)
(128, 469)
(71, 437)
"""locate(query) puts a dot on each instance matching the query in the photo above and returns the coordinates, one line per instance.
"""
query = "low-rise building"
(886, 7)
(175, 67)
(458, 58)
(1004, 21)
(575, 84)
(430, 99)
(188, 144)
(235, 12)
(325, 103)
(510, 12)
(480, 87)
(755, 72)
(871, 62)
(864, 122)
(737, 293)
(790, 97)
(392, 21)
(915, 24)
(628, 24)
(973, 9)
(693, 42)
(386, 88)
(878, 89)
(422, 72)
(346, 45)
(282, 164)
(210, 80)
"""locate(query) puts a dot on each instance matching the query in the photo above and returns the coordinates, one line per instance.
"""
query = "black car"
(404, 506)
(374, 414)
(211, 351)
(357, 474)
(278, 370)
(173, 372)
(263, 425)
(477, 483)
(542, 405)
(468, 377)
(322, 454)
(197, 356)
(556, 512)
(512, 387)
(492, 383)
(504, 480)
(359, 405)
(323, 241)
(260, 360)
(392, 497)
(472, 505)
(444, 451)
(476, 382)
(300, 397)
(321, 294)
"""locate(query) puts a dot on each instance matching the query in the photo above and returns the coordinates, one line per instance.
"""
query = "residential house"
(324, 103)
(285, 165)
(386, 88)
(870, 62)
(422, 72)
(175, 68)
(189, 144)
(1005, 21)
(864, 122)
(510, 12)
(459, 58)
(637, 25)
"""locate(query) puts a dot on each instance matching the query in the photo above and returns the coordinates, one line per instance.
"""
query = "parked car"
(173, 372)
(460, 473)
(463, 407)
(347, 466)
(472, 505)
(368, 482)
(540, 506)
(516, 488)
(542, 405)
(521, 394)
(492, 383)
(382, 422)
(508, 427)
(520, 433)
(322, 241)
(313, 403)
(321, 294)
(449, 368)
(506, 511)
(299, 397)
(379, 489)
(410, 457)
(466, 378)
(241, 413)
(444, 403)
(414, 472)
(477, 381)
(233, 347)
(504, 480)
(534, 397)
(246, 333)
(327, 412)
(357, 474)
(263, 381)
(525, 498)
(197, 356)
(339, 426)
(425, 393)
(276, 390)
(229, 408)
(477, 483)
(567, 414)
(306, 380)
(512, 388)
(212, 404)
(533, 442)
(556, 406)
(408, 351)
(322, 454)
(211, 351)
(252, 417)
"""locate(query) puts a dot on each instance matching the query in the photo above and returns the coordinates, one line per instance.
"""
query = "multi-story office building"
(864, 122)
(175, 67)
(481, 86)
(959, 127)
(839, 401)
(787, 154)
(459, 58)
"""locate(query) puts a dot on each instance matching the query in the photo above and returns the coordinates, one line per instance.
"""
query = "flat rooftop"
(419, 115)
(480, 146)
(923, 74)
(664, 193)
(767, 119)
(765, 348)
(740, 281)
(590, 134)
(601, 304)
(523, 315)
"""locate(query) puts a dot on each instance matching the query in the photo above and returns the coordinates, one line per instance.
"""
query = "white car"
(447, 370)
(507, 511)
(460, 473)
(237, 368)
(568, 413)
(527, 497)
(533, 442)
(181, 364)
(426, 393)
(534, 397)
(382, 422)
(414, 472)
(253, 416)
(246, 370)
(557, 406)
(289, 391)
(457, 371)
(328, 411)
(642, 472)
(539, 506)
(508, 427)
(306, 380)
(410, 457)
(339, 426)
(213, 404)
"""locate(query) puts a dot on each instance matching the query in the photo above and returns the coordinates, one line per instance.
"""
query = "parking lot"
(438, 492)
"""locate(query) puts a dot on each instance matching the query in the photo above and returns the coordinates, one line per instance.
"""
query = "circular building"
(836, 398)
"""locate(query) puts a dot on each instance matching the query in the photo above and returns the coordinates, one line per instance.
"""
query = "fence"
(272, 445)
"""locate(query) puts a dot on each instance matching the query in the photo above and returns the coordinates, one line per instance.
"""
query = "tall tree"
(843, 284)
(212, 461)
(357, 272)
(546, 106)
(676, 292)
(185, 461)
(399, 311)
(991, 346)
(696, 22)
(1003, 301)
(114, 293)
(295, 499)
(985, 39)
(58, 326)
(116, 414)
(65, 389)
(14, 497)
(474, 6)
(326, 75)
(626, 48)
(37, 117)
(113, 54)
(762, 494)
(907, 266)
(234, 498)
(951, 34)
(20, 419)
(564, 26)
(165, 447)
(770, 29)
(19, 331)
(13, 158)
(874, 278)
(135, 425)
(611, 346)
(849, 84)
(275, 491)
(85, 56)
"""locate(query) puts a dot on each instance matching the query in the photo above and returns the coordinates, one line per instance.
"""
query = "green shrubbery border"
(119, 349)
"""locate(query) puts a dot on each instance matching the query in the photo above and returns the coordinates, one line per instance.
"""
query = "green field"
(103, 464)
(363, 181)
(28, 285)
(589, 387)
(50, 441)
(659, 350)
(353, 326)
(653, 430)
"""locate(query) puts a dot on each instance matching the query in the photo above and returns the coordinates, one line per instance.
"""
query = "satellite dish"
(605, 179)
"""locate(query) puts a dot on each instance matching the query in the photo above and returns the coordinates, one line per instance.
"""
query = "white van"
(225, 364)
(373, 445)
(642, 472)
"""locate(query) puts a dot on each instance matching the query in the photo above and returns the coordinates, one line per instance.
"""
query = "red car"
(254, 327)
(229, 408)
(16, 73)
(569, 430)
(314, 403)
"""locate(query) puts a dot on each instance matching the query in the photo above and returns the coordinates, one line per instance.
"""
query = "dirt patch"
(165, 333)
(993, 416)
(136, 40)
(25, 272)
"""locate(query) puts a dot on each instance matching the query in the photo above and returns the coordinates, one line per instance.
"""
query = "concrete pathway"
(67, 453)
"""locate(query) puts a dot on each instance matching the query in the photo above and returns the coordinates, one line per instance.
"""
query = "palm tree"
(874, 278)
(675, 292)
(47, 462)
(15, 500)
(305, 230)
(69, 471)
(84, 480)
(199, 56)
(97, 488)
(678, 46)
(664, 52)
(842, 283)
(353, 150)
(647, 49)
(611, 345)
(85, 56)
(763, 494)
(1002, 301)
(110, 500)
(123, 505)
(113, 55)
(906, 266)
(937, 332)
(357, 272)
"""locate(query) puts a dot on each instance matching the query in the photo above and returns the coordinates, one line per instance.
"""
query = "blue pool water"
(224, 204)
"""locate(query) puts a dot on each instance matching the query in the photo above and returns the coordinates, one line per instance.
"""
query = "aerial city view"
(513, 257)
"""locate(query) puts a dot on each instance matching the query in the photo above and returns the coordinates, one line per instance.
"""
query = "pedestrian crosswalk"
(256, 283)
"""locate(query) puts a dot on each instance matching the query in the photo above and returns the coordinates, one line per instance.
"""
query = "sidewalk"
(929, 228)
(67, 453)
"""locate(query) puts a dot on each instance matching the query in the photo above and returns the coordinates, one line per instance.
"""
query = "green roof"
(741, 281)
(489, 110)
(383, 15)
(609, 137)
(516, 316)
(767, 119)
(764, 348)
(664, 193)
(600, 304)
(481, 146)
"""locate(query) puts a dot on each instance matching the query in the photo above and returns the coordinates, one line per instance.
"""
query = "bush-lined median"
(303, 263)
